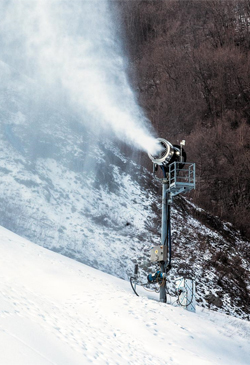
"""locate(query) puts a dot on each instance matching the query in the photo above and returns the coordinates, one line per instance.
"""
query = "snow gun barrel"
(168, 153)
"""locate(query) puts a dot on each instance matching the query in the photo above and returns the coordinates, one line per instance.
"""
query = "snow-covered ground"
(54, 310)
(83, 196)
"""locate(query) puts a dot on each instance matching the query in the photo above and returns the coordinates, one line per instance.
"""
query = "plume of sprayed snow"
(72, 45)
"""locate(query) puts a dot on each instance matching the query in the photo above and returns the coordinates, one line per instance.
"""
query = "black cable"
(167, 293)
(143, 285)
(169, 240)
(133, 286)
(186, 305)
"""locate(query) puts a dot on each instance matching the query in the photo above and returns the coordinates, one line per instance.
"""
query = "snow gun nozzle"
(166, 153)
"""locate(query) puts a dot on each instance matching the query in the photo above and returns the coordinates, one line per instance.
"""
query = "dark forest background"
(190, 65)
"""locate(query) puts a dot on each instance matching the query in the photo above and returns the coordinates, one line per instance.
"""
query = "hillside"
(57, 311)
(68, 180)
(91, 202)
(189, 63)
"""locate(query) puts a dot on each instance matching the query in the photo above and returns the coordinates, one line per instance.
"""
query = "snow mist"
(71, 49)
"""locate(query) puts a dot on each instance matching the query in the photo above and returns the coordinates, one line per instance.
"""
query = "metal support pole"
(164, 233)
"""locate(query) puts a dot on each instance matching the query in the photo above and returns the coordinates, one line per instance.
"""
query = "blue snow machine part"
(156, 277)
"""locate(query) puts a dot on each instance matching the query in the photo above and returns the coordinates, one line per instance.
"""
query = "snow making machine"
(178, 176)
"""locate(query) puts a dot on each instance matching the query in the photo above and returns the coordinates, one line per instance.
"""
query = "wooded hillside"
(192, 66)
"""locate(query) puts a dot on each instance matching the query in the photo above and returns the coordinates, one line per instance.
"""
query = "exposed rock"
(213, 299)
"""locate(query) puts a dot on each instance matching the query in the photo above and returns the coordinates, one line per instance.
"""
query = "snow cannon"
(168, 153)
(178, 177)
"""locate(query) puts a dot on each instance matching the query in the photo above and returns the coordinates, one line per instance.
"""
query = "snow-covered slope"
(54, 310)
(76, 193)
(61, 186)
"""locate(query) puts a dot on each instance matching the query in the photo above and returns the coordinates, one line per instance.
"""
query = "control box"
(159, 253)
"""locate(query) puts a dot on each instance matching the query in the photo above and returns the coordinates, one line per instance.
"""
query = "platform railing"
(181, 177)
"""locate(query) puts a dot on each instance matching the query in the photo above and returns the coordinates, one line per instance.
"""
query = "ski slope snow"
(54, 310)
